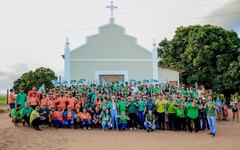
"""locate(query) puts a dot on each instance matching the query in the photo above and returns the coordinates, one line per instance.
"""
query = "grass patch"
(3, 100)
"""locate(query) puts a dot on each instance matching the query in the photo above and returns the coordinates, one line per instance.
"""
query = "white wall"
(165, 74)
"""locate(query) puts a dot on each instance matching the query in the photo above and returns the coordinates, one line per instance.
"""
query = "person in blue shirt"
(219, 110)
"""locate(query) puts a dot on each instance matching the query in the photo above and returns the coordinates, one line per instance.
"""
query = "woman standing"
(113, 106)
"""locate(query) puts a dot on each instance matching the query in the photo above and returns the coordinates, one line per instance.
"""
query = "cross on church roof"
(111, 7)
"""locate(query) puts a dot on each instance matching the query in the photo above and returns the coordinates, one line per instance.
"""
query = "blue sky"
(33, 32)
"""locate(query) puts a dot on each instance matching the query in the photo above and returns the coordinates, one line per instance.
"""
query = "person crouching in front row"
(36, 119)
(150, 121)
(69, 117)
(106, 120)
(86, 119)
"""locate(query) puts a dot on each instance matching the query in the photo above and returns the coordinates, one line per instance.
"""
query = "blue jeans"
(114, 114)
(58, 123)
(141, 118)
(12, 105)
(86, 123)
(204, 120)
(105, 125)
(68, 123)
(122, 125)
(212, 123)
(146, 124)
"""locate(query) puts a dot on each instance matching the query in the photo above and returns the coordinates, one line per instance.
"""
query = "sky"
(33, 32)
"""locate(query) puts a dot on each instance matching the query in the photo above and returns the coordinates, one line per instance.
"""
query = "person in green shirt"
(26, 111)
(211, 108)
(150, 121)
(180, 118)
(106, 120)
(192, 115)
(132, 112)
(141, 108)
(122, 105)
(171, 113)
(123, 120)
(157, 89)
(103, 106)
(21, 98)
(16, 115)
(160, 105)
(117, 87)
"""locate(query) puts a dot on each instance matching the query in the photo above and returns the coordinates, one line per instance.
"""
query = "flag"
(42, 88)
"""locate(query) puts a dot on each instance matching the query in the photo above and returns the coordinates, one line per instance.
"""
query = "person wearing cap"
(21, 98)
(58, 118)
(16, 115)
(68, 116)
(132, 112)
(211, 107)
(86, 120)
(113, 106)
(72, 101)
(150, 121)
(26, 111)
(33, 101)
(160, 106)
(44, 99)
(89, 107)
(62, 100)
(11, 99)
(34, 90)
(171, 111)
(117, 87)
(52, 103)
(157, 89)
(141, 105)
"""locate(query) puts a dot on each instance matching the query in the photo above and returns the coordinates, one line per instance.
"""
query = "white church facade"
(113, 55)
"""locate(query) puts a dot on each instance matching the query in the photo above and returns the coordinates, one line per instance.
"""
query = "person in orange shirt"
(98, 102)
(44, 100)
(58, 118)
(72, 101)
(33, 101)
(52, 103)
(11, 99)
(62, 101)
(34, 90)
(69, 117)
(86, 119)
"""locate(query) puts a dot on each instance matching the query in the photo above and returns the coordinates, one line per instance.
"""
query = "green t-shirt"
(150, 89)
(141, 105)
(161, 105)
(180, 112)
(192, 112)
(105, 117)
(122, 106)
(80, 90)
(33, 115)
(210, 109)
(150, 118)
(123, 119)
(132, 107)
(103, 106)
(184, 92)
(171, 109)
(111, 105)
(16, 113)
(115, 88)
(156, 90)
(21, 98)
(27, 111)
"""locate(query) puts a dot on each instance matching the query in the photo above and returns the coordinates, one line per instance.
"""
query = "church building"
(113, 55)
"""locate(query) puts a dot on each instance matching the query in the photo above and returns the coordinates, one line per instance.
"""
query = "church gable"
(111, 43)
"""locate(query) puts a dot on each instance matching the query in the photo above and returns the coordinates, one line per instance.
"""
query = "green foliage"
(206, 54)
(3, 100)
(35, 78)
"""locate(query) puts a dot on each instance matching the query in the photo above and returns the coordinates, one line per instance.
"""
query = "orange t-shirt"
(98, 103)
(11, 98)
(58, 115)
(86, 116)
(71, 102)
(69, 115)
(52, 103)
(62, 102)
(33, 101)
(44, 101)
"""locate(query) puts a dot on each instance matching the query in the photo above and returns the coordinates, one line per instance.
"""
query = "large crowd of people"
(128, 106)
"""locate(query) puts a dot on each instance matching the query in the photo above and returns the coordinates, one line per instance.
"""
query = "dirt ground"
(11, 138)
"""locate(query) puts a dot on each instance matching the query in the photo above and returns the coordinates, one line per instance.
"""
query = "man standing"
(21, 98)
(211, 107)
(11, 99)
(160, 105)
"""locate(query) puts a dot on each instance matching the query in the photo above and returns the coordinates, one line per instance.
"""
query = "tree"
(37, 78)
(205, 54)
